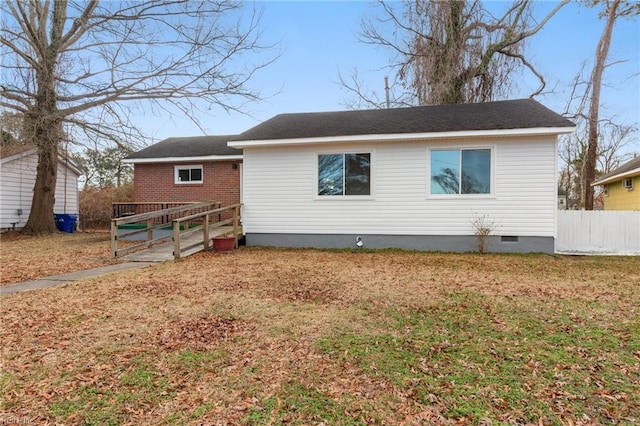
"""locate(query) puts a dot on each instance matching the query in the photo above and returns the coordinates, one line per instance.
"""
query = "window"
(344, 174)
(627, 183)
(606, 190)
(461, 171)
(188, 174)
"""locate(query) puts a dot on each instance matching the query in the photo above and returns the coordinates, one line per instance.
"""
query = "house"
(186, 169)
(412, 178)
(621, 186)
(17, 178)
(563, 200)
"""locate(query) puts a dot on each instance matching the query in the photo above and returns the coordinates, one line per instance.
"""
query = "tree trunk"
(452, 81)
(41, 219)
(43, 128)
(602, 51)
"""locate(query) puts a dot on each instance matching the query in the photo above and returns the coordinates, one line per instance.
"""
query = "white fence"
(598, 232)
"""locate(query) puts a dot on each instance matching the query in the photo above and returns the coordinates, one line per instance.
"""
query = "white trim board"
(615, 178)
(403, 136)
(182, 159)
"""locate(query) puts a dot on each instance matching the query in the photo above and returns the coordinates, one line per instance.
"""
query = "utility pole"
(386, 91)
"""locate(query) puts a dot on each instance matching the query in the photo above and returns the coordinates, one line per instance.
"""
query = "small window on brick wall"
(188, 174)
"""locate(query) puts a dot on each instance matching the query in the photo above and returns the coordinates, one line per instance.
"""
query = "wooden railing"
(152, 220)
(209, 226)
(132, 208)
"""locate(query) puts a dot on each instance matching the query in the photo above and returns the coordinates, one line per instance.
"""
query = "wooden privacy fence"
(598, 232)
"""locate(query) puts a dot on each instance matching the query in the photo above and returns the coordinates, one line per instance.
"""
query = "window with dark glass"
(344, 174)
(188, 174)
(461, 171)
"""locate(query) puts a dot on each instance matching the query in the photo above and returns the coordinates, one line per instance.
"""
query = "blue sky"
(319, 40)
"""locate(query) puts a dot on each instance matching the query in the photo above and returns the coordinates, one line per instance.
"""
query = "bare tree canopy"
(612, 10)
(454, 51)
(613, 138)
(84, 65)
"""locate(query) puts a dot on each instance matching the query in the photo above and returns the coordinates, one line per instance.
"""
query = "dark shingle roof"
(196, 146)
(625, 168)
(515, 114)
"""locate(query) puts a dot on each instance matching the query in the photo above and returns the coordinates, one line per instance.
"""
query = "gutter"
(183, 159)
(402, 136)
(617, 177)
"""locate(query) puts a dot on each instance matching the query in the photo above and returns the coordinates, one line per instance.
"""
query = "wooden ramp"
(191, 230)
(164, 251)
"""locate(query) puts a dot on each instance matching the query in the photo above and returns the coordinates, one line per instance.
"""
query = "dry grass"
(24, 258)
(264, 336)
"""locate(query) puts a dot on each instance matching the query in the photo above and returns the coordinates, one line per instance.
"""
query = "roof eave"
(61, 159)
(617, 177)
(402, 136)
(182, 159)
(18, 155)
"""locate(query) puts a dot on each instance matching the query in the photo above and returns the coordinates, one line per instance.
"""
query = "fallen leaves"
(26, 258)
(198, 334)
(217, 339)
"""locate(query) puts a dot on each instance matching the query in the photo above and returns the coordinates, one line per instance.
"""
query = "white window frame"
(177, 168)
(345, 197)
(492, 171)
(627, 187)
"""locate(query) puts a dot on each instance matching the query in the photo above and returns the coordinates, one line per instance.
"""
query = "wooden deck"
(164, 251)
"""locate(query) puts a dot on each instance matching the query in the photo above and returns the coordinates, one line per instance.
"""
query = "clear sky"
(318, 40)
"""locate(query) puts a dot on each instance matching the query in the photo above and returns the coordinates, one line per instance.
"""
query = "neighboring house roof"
(13, 152)
(196, 148)
(628, 169)
(398, 123)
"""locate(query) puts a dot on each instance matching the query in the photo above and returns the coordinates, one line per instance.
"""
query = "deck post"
(235, 224)
(205, 232)
(114, 239)
(149, 229)
(176, 240)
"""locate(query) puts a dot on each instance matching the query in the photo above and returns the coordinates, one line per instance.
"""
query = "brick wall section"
(154, 182)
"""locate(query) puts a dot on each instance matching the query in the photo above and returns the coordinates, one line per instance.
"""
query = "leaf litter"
(224, 339)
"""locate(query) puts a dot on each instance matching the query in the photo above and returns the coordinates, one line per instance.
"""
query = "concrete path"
(70, 277)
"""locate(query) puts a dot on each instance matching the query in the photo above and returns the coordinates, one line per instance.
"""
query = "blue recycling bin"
(66, 222)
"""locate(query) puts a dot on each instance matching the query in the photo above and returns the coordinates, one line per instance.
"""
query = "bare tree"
(613, 9)
(451, 51)
(11, 124)
(613, 137)
(84, 65)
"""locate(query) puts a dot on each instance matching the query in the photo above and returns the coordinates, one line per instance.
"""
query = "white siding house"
(402, 204)
(17, 178)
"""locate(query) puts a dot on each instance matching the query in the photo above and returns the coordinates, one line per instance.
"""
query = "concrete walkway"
(71, 277)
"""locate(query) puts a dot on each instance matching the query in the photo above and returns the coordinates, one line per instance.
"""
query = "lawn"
(24, 258)
(268, 336)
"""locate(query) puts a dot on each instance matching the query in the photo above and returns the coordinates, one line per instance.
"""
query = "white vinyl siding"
(279, 183)
(17, 178)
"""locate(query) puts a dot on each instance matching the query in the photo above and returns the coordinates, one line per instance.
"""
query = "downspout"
(66, 172)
